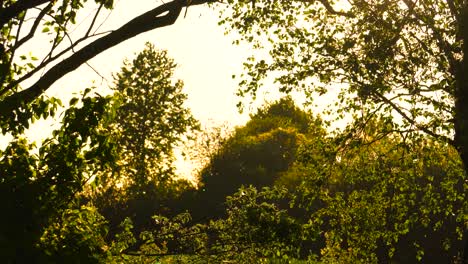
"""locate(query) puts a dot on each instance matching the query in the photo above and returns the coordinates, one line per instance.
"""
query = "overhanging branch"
(161, 16)
(412, 121)
(13, 10)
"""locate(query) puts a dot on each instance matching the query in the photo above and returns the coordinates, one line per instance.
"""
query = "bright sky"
(205, 56)
(206, 61)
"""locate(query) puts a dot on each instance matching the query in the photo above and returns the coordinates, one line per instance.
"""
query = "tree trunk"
(461, 105)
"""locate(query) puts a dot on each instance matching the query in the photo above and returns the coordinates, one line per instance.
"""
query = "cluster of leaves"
(388, 200)
(371, 199)
(19, 24)
(148, 122)
(37, 185)
(256, 154)
(77, 237)
(395, 57)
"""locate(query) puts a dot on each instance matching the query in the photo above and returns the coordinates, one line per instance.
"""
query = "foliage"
(381, 192)
(151, 118)
(18, 27)
(36, 186)
(257, 227)
(388, 199)
(373, 199)
(255, 230)
(256, 154)
(399, 56)
(77, 237)
(404, 60)
(25, 22)
(374, 195)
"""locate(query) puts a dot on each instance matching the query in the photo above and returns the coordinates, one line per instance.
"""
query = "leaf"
(73, 101)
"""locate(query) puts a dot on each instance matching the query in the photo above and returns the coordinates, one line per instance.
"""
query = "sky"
(205, 56)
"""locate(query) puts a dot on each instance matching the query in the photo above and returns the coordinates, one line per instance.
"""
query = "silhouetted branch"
(16, 8)
(163, 15)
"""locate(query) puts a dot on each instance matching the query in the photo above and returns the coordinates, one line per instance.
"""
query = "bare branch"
(94, 20)
(412, 121)
(17, 7)
(34, 27)
(163, 15)
(96, 71)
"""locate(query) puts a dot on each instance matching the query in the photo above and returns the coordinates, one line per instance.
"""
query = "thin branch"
(104, 20)
(160, 16)
(412, 121)
(34, 27)
(10, 12)
(18, 32)
(96, 71)
(12, 50)
(44, 64)
(72, 44)
(94, 20)
(329, 7)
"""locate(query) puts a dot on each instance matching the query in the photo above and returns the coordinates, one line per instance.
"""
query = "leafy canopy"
(398, 57)
(151, 117)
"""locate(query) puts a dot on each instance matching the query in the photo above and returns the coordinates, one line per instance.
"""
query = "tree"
(379, 199)
(151, 118)
(255, 230)
(23, 21)
(385, 198)
(406, 59)
(256, 154)
(37, 187)
(149, 122)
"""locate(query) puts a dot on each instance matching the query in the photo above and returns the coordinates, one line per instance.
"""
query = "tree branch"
(443, 45)
(331, 10)
(161, 16)
(34, 27)
(46, 61)
(412, 121)
(16, 8)
(94, 20)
